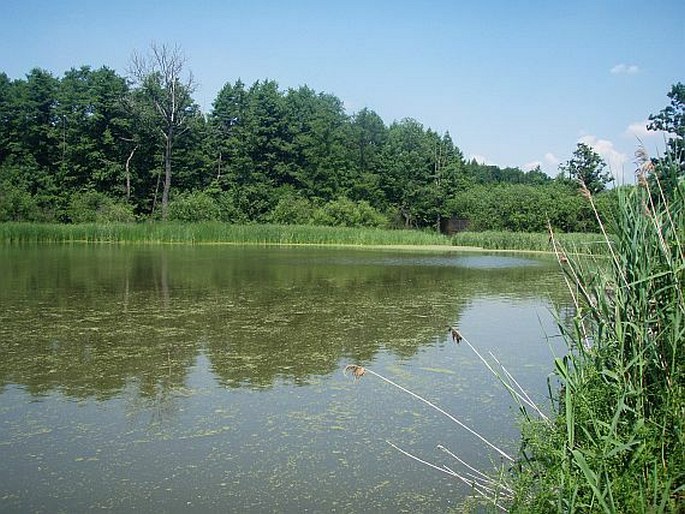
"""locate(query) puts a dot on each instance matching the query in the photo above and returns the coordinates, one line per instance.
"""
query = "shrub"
(115, 212)
(93, 206)
(17, 204)
(194, 207)
(292, 210)
(228, 212)
(523, 208)
(343, 212)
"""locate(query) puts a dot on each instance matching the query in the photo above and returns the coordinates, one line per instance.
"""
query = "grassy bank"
(577, 242)
(213, 232)
(616, 442)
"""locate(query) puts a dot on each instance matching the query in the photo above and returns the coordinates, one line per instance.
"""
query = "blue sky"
(514, 82)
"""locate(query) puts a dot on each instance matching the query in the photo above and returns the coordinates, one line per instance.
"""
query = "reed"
(525, 241)
(616, 443)
(493, 491)
(213, 232)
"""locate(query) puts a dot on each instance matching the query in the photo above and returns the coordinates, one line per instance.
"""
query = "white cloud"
(552, 159)
(638, 130)
(548, 164)
(615, 160)
(624, 69)
(480, 159)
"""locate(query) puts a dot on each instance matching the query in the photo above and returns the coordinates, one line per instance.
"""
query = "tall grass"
(213, 232)
(615, 440)
(536, 241)
(617, 443)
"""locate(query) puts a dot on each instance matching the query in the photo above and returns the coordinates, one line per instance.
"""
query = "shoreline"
(430, 248)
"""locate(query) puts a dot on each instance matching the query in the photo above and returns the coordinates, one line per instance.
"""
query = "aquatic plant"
(617, 444)
(213, 232)
(536, 241)
(614, 440)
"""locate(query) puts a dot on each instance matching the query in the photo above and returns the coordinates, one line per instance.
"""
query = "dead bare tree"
(165, 94)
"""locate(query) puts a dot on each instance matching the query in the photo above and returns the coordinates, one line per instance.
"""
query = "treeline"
(96, 146)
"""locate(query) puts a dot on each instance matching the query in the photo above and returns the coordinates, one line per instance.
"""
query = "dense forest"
(96, 146)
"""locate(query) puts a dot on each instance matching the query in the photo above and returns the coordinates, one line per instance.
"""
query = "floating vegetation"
(182, 368)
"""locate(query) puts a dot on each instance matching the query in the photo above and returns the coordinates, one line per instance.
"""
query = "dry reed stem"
(561, 258)
(523, 391)
(483, 476)
(434, 407)
(445, 469)
(523, 398)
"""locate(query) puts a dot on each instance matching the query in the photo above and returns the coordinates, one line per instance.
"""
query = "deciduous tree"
(587, 166)
(670, 169)
(165, 88)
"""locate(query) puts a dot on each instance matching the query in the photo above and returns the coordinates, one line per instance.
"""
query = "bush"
(17, 204)
(115, 212)
(523, 208)
(228, 212)
(194, 207)
(93, 206)
(343, 212)
(292, 210)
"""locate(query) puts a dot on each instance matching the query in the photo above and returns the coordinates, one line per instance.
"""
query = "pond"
(209, 378)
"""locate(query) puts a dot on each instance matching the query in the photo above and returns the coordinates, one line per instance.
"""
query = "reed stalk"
(616, 442)
(213, 232)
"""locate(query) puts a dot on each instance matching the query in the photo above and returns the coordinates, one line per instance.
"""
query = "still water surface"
(209, 378)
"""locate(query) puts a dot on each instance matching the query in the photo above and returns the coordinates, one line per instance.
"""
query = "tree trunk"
(154, 199)
(128, 173)
(218, 168)
(167, 172)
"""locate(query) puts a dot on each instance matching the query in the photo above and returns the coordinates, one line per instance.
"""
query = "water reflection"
(89, 320)
(209, 378)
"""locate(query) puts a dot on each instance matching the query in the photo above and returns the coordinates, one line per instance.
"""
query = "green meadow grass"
(214, 232)
(491, 240)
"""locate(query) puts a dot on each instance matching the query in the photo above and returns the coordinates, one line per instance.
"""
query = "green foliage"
(421, 173)
(617, 444)
(476, 173)
(343, 212)
(292, 210)
(669, 170)
(587, 167)
(228, 212)
(115, 212)
(16, 204)
(94, 207)
(194, 207)
(523, 208)
(92, 130)
(214, 232)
